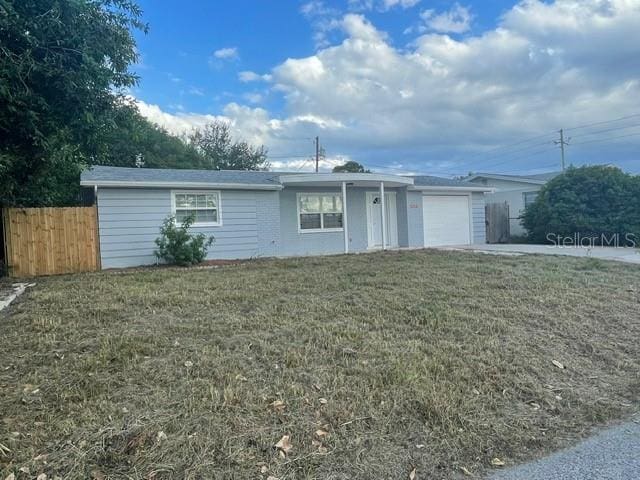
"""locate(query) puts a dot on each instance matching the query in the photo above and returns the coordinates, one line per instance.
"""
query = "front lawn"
(372, 365)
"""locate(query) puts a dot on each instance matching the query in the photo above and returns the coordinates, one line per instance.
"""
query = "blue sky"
(437, 87)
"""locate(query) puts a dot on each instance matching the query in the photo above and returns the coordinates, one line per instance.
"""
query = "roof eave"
(443, 188)
(507, 179)
(208, 185)
(344, 177)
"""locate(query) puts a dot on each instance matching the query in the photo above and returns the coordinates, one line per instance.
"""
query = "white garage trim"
(469, 198)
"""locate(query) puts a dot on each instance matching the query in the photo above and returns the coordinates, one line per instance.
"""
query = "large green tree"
(350, 167)
(222, 152)
(131, 137)
(600, 202)
(64, 66)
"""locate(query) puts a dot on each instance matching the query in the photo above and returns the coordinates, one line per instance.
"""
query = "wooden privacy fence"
(497, 220)
(48, 241)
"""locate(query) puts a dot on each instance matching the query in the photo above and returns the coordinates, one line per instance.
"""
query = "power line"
(607, 139)
(607, 130)
(296, 155)
(603, 122)
(527, 140)
(308, 160)
(476, 156)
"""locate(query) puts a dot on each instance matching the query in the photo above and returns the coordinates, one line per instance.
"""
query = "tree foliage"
(350, 167)
(131, 136)
(177, 246)
(589, 202)
(221, 152)
(62, 63)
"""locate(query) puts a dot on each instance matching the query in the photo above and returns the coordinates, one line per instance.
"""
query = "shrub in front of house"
(596, 205)
(177, 246)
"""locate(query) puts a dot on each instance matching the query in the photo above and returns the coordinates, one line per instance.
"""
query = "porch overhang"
(351, 179)
(434, 188)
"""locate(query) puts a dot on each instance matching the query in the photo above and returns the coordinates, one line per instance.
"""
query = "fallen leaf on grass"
(24, 470)
(323, 401)
(264, 469)
(188, 364)
(241, 378)
(97, 475)
(321, 433)
(284, 445)
(412, 474)
(278, 405)
(271, 477)
(11, 476)
(42, 476)
(466, 471)
(496, 462)
(557, 364)
(161, 436)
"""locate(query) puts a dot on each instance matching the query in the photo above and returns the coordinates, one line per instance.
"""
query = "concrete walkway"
(626, 255)
(613, 454)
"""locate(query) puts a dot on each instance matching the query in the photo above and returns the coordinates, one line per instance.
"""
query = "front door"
(374, 220)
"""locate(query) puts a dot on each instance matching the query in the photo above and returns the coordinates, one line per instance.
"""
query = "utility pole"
(317, 153)
(562, 143)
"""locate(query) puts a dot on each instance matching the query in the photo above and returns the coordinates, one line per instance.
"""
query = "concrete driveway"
(613, 454)
(626, 255)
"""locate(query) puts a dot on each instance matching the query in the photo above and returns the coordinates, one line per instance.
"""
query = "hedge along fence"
(49, 241)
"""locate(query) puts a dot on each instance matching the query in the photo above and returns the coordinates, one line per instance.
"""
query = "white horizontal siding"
(130, 220)
(478, 218)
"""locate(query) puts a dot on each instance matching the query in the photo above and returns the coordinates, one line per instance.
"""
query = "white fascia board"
(205, 185)
(427, 188)
(345, 177)
(507, 179)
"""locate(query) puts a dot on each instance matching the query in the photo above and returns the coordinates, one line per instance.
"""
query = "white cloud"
(437, 102)
(381, 5)
(456, 20)
(228, 53)
(323, 20)
(389, 4)
(308, 164)
(196, 91)
(316, 8)
(248, 76)
(253, 97)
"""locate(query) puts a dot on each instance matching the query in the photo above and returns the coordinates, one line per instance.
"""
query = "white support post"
(384, 216)
(345, 225)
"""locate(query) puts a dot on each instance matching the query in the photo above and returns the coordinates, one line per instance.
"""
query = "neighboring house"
(265, 214)
(517, 190)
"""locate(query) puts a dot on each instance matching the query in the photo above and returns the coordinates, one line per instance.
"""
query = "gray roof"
(431, 181)
(538, 177)
(151, 175)
(162, 177)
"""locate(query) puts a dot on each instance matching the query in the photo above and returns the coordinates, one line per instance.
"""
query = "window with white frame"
(529, 198)
(319, 211)
(204, 206)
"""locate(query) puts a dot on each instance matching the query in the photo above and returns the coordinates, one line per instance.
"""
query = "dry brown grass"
(427, 360)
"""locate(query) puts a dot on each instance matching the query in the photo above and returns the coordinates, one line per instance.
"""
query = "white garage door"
(446, 220)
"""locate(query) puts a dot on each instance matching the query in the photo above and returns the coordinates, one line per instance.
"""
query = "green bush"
(598, 202)
(177, 246)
